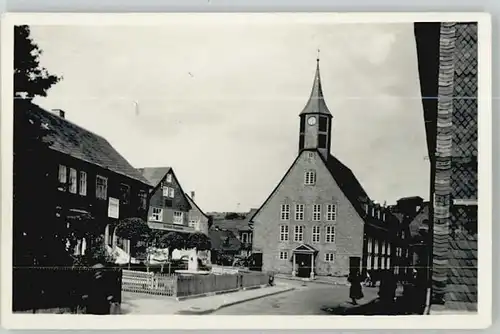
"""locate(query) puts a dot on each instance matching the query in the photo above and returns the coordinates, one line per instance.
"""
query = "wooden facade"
(169, 206)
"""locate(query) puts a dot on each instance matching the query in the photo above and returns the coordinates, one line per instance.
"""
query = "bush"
(94, 254)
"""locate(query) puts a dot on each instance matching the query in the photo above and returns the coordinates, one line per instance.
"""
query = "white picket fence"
(149, 282)
(229, 279)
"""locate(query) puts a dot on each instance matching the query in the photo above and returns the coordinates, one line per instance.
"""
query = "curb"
(211, 310)
(208, 294)
(311, 281)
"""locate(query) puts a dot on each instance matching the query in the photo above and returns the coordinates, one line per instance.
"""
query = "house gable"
(179, 202)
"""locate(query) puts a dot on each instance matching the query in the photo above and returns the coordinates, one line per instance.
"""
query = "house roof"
(316, 103)
(154, 174)
(224, 240)
(347, 182)
(236, 225)
(418, 221)
(193, 204)
(80, 143)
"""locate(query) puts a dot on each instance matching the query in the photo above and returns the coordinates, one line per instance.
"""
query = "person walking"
(355, 290)
(387, 290)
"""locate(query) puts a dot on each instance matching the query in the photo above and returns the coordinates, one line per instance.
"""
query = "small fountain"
(192, 265)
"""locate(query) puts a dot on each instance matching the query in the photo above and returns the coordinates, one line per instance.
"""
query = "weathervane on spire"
(317, 57)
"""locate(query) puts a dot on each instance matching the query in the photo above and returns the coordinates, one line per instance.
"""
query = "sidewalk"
(137, 303)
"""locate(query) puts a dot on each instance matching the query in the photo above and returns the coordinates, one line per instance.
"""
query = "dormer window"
(309, 178)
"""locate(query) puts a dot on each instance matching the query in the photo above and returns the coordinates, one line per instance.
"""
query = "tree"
(96, 253)
(133, 229)
(172, 241)
(39, 236)
(234, 215)
(30, 78)
(199, 241)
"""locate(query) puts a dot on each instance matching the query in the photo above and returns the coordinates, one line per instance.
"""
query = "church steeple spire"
(315, 119)
(316, 103)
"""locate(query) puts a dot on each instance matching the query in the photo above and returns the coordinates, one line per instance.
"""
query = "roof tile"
(73, 140)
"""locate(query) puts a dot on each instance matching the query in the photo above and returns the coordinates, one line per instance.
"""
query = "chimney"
(192, 195)
(60, 112)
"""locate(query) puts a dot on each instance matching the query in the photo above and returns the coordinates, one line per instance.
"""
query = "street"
(304, 300)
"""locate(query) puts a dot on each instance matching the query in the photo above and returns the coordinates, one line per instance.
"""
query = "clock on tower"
(315, 120)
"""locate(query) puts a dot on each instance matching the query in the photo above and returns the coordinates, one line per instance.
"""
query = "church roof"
(316, 103)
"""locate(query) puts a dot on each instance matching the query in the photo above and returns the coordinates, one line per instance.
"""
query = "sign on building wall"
(114, 208)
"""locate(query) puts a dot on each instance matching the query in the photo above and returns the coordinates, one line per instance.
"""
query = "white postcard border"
(41, 321)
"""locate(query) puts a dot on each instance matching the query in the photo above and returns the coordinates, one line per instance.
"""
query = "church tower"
(316, 120)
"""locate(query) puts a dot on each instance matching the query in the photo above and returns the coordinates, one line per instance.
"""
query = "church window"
(329, 257)
(316, 212)
(302, 124)
(316, 234)
(285, 212)
(301, 142)
(309, 177)
(298, 234)
(329, 234)
(331, 212)
(283, 255)
(322, 141)
(283, 232)
(323, 124)
(299, 212)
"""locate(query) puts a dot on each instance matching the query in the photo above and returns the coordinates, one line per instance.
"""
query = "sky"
(220, 103)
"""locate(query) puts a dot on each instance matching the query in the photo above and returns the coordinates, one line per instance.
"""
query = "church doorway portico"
(303, 259)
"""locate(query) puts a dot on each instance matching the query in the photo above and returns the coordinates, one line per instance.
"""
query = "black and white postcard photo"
(200, 171)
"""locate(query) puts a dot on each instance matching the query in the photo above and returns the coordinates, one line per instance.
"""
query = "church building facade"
(319, 220)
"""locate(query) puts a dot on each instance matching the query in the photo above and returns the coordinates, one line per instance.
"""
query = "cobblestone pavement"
(308, 299)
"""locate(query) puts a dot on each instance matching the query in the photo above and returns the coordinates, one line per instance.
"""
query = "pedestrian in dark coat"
(388, 286)
(355, 291)
(99, 301)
